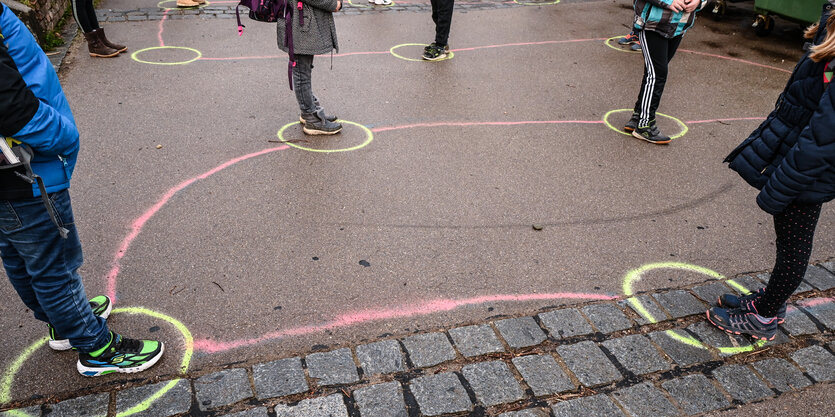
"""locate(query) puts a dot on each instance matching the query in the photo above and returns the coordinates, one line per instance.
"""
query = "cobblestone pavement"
(604, 359)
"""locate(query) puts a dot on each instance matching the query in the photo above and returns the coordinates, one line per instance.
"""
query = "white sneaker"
(382, 2)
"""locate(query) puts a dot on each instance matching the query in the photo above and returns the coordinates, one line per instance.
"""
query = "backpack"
(270, 11)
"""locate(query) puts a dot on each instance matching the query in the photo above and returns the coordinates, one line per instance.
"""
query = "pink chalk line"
(724, 120)
(365, 316)
(161, 21)
(139, 223)
(813, 302)
(528, 44)
(735, 59)
(528, 122)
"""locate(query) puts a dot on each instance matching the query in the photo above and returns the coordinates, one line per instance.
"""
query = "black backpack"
(270, 11)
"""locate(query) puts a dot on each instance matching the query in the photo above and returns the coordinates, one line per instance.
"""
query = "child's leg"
(442, 16)
(795, 228)
(302, 81)
(655, 49)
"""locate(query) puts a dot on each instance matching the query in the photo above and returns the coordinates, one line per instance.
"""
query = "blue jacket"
(655, 15)
(33, 109)
(790, 157)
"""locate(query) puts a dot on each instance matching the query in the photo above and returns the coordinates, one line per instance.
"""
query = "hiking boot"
(632, 124)
(328, 117)
(187, 3)
(97, 48)
(435, 52)
(629, 39)
(318, 124)
(734, 301)
(121, 355)
(100, 33)
(101, 305)
(739, 321)
(651, 134)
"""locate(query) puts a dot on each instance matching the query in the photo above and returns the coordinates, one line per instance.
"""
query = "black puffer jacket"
(791, 155)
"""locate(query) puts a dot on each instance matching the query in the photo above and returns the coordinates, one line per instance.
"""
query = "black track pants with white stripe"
(657, 51)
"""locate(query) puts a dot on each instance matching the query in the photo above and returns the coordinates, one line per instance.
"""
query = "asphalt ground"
(291, 250)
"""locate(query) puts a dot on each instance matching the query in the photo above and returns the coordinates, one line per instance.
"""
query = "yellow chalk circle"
(391, 51)
(160, 5)
(608, 42)
(634, 276)
(369, 136)
(534, 3)
(135, 55)
(684, 127)
(8, 376)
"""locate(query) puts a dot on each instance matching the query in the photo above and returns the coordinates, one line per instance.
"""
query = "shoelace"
(129, 345)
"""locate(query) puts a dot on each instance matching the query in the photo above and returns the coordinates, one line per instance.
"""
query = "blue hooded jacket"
(35, 111)
(790, 157)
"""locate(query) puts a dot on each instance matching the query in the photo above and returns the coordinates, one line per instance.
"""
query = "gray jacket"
(318, 35)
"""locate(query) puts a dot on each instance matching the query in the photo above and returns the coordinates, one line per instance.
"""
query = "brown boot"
(97, 48)
(111, 45)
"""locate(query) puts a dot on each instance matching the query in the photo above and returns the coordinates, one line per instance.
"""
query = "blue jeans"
(43, 268)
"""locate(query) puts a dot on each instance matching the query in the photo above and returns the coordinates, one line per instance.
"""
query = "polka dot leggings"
(795, 228)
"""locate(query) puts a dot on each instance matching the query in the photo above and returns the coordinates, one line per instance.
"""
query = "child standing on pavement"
(317, 36)
(660, 25)
(791, 159)
(442, 16)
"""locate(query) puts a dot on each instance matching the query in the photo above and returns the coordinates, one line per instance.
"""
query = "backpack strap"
(828, 72)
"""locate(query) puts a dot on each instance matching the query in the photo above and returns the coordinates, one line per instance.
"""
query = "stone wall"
(40, 16)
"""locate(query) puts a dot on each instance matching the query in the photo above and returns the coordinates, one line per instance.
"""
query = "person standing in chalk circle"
(97, 43)
(313, 33)
(442, 16)
(790, 158)
(39, 242)
(660, 26)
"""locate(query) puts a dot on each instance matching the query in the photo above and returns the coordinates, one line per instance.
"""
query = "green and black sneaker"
(121, 355)
(101, 305)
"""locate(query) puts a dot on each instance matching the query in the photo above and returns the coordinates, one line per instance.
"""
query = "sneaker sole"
(720, 327)
(64, 344)
(780, 320)
(628, 129)
(438, 58)
(319, 132)
(93, 372)
(660, 142)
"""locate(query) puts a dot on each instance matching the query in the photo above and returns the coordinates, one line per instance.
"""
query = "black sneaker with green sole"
(101, 305)
(121, 355)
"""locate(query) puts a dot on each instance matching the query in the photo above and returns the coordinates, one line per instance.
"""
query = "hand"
(678, 5)
(338, 5)
(692, 5)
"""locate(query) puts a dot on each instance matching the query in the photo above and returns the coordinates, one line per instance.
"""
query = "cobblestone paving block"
(381, 357)
(824, 313)
(680, 303)
(589, 364)
(831, 346)
(741, 382)
(695, 394)
(332, 368)
(177, 400)
(781, 374)
(89, 405)
(817, 362)
(543, 374)
(712, 336)
(637, 354)
(648, 304)
(279, 378)
(381, 400)
(645, 400)
(819, 278)
(252, 412)
(33, 411)
(829, 266)
(682, 353)
(429, 349)
(440, 394)
(565, 323)
(521, 332)
(476, 340)
(533, 412)
(492, 383)
(749, 283)
(798, 324)
(222, 388)
(330, 406)
(607, 318)
(596, 405)
(711, 291)
(803, 287)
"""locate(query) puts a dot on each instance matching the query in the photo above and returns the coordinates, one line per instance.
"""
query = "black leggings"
(85, 15)
(795, 228)
(442, 16)
(657, 51)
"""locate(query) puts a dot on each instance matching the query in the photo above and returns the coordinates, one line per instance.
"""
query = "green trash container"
(800, 11)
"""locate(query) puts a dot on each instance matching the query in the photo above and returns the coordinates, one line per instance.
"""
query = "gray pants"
(302, 74)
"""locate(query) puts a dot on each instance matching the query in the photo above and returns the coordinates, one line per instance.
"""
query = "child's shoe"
(651, 134)
(435, 52)
(734, 301)
(636, 46)
(101, 305)
(632, 124)
(739, 321)
(328, 117)
(629, 39)
(121, 355)
(318, 124)
(187, 3)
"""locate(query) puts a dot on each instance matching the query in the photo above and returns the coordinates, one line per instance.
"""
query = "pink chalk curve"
(528, 122)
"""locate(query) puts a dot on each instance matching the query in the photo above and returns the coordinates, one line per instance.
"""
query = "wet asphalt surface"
(467, 155)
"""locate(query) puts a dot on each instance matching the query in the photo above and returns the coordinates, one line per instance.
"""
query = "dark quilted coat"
(791, 155)
(318, 34)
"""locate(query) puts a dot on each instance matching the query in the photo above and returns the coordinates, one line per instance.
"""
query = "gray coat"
(318, 35)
